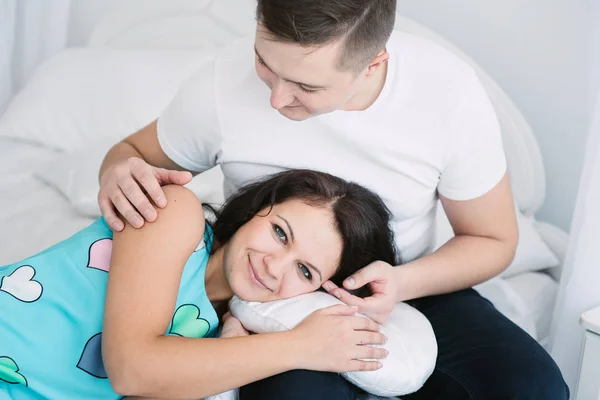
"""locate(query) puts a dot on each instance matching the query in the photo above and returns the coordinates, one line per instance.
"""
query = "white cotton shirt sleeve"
(476, 162)
(188, 129)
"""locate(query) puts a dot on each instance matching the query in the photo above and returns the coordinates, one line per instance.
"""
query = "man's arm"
(484, 245)
(137, 162)
(485, 241)
(141, 144)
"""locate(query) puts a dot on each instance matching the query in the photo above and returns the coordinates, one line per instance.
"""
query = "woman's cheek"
(293, 287)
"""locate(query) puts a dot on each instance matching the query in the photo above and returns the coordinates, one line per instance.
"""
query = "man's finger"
(358, 280)
(348, 298)
(342, 294)
(175, 177)
(368, 274)
(152, 186)
(106, 207)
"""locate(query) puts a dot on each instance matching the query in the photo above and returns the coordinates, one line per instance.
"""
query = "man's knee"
(544, 381)
(300, 385)
(550, 384)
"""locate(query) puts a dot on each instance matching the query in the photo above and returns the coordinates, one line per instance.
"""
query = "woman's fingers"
(340, 309)
(370, 353)
(361, 365)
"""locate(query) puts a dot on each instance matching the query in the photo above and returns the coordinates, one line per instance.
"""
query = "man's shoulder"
(237, 54)
(430, 57)
(234, 66)
(429, 76)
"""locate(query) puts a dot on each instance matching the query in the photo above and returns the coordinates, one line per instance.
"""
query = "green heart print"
(9, 372)
(187, 322)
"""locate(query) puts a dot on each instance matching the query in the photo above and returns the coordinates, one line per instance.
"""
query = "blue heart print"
(91, 358)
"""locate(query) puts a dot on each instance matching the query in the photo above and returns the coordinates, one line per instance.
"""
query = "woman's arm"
(143, 282)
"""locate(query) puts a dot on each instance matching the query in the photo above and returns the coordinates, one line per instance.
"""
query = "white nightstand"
(588, 387)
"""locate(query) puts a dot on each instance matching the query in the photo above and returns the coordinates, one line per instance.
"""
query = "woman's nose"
(277, 264)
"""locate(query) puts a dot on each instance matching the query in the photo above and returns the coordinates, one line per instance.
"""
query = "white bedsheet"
(33, 215)
(538, 292)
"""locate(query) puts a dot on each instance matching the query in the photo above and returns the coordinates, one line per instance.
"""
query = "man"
(332, 89)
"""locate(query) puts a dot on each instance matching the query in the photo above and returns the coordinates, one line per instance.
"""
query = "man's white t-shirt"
(432, 130)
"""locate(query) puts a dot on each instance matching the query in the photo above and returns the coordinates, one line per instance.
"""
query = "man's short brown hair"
(364, 25)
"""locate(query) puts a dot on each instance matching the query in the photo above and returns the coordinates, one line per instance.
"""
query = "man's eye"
(309, 91)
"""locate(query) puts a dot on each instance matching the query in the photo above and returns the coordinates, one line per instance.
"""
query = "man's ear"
(377, 62)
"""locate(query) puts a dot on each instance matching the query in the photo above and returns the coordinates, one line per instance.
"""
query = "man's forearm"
(119, 152)
(461, 263)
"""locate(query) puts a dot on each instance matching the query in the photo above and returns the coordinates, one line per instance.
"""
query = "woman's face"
(283, 252)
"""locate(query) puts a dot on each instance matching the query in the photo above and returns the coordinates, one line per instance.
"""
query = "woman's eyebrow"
(309, 265)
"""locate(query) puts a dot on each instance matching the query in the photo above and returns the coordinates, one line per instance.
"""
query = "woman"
(72, 329)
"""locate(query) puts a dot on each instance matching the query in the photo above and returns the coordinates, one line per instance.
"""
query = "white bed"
(35, 214)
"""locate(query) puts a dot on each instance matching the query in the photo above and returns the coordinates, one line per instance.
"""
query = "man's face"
(304, 82)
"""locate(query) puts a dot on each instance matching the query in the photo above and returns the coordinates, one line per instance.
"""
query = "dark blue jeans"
(481, 355)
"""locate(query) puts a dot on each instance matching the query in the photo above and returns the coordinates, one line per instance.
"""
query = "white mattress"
(526, 299)
(33, 215)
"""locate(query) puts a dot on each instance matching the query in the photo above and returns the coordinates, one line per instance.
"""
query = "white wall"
(579, 286)
(84, 15)
(538, 52)
(595, 62)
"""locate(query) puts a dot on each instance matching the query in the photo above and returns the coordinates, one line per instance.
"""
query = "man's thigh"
(483, 355)
(300, 385)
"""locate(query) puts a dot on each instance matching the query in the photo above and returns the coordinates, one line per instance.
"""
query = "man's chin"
(295, 114)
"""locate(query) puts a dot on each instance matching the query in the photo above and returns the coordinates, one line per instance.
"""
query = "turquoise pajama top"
(51, 310)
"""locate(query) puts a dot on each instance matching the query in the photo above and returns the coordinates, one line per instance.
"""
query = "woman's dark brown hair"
(360, 216)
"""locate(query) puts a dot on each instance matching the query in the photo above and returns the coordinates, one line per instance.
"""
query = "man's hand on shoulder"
(133, 187)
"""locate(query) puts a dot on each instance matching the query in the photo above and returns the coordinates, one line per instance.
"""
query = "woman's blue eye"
(280, 233)
(305, 271)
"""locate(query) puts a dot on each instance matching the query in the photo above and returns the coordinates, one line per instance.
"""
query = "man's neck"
(370, 91)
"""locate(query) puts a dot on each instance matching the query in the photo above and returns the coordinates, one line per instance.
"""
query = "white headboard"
(205, 24)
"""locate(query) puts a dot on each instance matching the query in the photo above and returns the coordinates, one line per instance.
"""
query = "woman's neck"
(215, 283)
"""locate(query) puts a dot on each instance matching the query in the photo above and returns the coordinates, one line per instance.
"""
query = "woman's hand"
(333, 339)
(232, 327)
(380, 278)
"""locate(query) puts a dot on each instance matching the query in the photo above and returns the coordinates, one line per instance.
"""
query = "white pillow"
(532, 252)
(411, 342)
(229, 395)
(75, 175)
(82, 96)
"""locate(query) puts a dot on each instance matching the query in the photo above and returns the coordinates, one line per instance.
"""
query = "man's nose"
(280, 96)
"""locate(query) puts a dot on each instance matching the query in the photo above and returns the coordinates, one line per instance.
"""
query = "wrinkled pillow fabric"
(411, 342)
